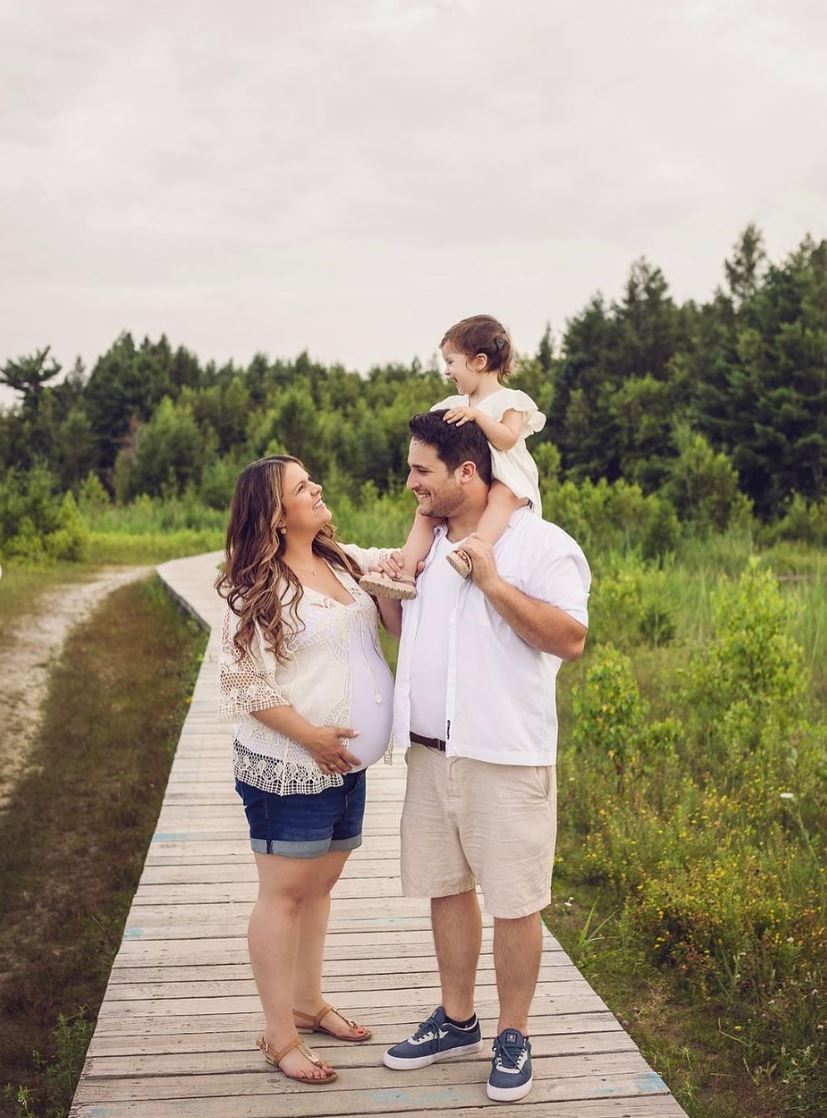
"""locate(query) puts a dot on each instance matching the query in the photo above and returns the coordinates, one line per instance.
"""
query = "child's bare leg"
(502, 504)
(418, 544)
(498, 512)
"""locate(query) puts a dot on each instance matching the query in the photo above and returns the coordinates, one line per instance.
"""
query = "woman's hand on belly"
(326, 745)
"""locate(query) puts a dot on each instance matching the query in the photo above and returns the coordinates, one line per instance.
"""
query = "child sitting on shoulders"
(477, 354)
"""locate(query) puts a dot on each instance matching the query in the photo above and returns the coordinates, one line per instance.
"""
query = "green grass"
(73, 839)
(708, 933)
(685, 1042)
(151, 547)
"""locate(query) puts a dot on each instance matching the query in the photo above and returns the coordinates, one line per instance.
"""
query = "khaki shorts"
(467, 822)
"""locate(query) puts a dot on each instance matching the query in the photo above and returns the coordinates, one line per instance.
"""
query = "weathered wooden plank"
(376, 1078)
(443, 1097)
(241, 1040)
(425, 996)
(211, 985)
(352, 970)
(339, 945)
(244, 871)
(368, 1055)
(645, 1106)
(221, 1020)
(379, 910)
(216, 927)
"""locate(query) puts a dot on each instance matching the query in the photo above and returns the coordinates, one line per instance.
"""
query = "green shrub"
(612, 517)
(706, 826)
(92, 497)
(608, 710)
(802, 520)
(630, 604)
(37, 525)
(60, 1074)
(746, 687)
(703, 486)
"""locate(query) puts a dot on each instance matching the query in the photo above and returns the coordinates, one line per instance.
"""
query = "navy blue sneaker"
(510, 1076)
(435, 1039)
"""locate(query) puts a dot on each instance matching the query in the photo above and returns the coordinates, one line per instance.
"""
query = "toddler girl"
(477, 353)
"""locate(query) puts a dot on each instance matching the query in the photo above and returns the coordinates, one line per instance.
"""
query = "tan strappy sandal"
(274, 1058)
(314, 1025)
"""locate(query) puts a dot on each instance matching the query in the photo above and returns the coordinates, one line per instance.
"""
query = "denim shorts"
(305, 826)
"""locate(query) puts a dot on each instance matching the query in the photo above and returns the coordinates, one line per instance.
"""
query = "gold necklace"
(304, 570)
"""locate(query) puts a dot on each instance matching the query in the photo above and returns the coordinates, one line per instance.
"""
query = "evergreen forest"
(706, 415)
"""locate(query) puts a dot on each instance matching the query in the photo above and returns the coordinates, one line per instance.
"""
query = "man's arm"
(540, 624)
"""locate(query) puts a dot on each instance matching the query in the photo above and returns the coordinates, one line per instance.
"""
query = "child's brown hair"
(483, 334)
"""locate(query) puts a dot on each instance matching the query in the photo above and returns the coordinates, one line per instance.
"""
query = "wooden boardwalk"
(174, 1037)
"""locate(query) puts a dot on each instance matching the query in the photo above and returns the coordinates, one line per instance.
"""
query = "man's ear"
(467, 472)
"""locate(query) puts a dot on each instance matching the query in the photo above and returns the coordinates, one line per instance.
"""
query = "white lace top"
(335, 676)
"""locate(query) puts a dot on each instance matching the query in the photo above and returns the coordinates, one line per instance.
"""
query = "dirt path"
(27, 656)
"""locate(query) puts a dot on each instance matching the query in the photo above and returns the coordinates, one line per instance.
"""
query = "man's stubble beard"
(445, 505)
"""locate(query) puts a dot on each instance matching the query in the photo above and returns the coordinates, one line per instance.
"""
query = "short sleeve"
(450, 402)
(245, 683)
(563, 580)
(511, 399)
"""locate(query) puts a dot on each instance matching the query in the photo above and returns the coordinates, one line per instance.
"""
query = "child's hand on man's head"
(460, 415)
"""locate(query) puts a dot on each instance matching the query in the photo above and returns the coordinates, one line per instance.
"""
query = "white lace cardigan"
(316, 679)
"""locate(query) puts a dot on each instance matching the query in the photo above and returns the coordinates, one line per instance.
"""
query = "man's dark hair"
(454, 445)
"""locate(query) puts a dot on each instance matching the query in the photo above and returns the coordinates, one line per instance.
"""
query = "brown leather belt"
(432, 743)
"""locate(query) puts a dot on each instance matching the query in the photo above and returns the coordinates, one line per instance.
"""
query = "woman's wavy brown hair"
(259, 586)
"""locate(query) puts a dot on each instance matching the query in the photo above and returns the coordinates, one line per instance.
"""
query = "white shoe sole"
(508, 1094)
(399, 1063)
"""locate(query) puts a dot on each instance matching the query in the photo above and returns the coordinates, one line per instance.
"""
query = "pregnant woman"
(303, 678)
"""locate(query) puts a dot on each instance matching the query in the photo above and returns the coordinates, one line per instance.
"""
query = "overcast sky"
(352, 176)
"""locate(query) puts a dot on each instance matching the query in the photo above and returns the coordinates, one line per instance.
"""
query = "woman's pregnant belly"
(371, 701)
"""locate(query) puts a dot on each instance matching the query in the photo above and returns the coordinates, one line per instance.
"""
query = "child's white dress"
(514, 468)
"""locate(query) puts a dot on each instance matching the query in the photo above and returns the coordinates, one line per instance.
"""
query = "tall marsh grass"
(694, 793)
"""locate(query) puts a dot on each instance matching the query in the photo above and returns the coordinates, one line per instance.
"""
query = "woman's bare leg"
(273, 938)
(307, 975)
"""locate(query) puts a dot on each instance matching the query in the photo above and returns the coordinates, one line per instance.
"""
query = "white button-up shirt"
(500, 691)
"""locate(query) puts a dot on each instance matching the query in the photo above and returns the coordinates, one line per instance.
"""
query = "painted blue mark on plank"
(650, 1083)
(169, 836)
(605, 1090)
(132, 933)
(414, 1097)
(647, 1083)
